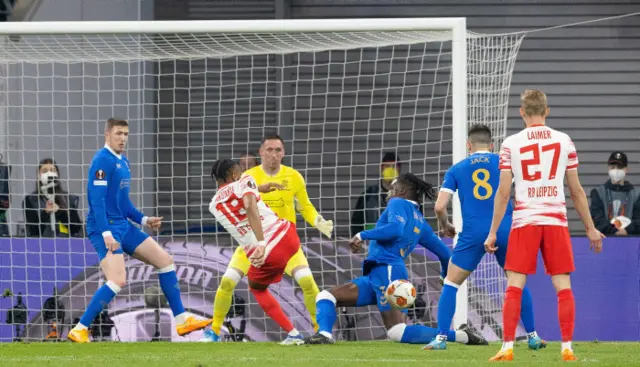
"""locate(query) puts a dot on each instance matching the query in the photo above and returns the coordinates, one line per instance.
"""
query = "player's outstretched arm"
(499, 208)
(397, 216)
(307, 210)
(581, 204)
(443, 216)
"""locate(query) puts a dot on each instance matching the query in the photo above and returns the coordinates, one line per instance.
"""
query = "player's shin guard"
(566, 314)
(447, 306)
(171, 289)
(511, 312)
(310, 291)
(326, 306)
(100, 299)
(224, 298)
(272, 308)
(526, 311)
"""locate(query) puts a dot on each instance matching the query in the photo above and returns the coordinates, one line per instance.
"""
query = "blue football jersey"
(476, 178)
(108, 192)
(398, 230)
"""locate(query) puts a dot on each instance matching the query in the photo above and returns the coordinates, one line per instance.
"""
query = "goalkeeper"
(287, 186)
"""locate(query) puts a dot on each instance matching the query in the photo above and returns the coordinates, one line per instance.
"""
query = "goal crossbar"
(233, 26)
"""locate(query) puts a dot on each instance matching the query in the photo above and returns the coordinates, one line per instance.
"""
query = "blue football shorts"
(371, 287)
(128, 236)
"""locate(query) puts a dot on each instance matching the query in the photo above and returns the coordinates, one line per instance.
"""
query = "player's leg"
(522, 253)
(557, 254)
(398, 331)
(236, 270)
(272, 308)
(112, 265)
(270, 273)
(298, 269)
(465, 258)
(147, 250)
(358, 292)
(526, 309)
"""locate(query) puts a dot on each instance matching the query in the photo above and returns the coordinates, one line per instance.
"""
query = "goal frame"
(457, 27)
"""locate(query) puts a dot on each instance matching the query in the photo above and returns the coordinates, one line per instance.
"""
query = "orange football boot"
(79, 336)
(506, 355)
(567, 355)
(191, 325)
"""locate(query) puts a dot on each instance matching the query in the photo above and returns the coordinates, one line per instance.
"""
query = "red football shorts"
(271, 271)
(553, 241)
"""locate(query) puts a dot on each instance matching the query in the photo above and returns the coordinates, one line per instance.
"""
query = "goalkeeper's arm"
(309, 213)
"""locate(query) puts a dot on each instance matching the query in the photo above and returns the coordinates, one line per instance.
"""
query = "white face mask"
(616, 175)
(48, 178)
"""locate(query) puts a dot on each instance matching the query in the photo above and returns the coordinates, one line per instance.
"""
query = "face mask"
(389, 174)
(48, 179)
(616, 175)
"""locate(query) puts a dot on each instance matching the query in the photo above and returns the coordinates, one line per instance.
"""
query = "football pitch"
(364, 354)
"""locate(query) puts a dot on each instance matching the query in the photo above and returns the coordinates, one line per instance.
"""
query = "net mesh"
(339, 100)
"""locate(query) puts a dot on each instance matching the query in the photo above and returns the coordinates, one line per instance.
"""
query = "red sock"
(272, 308)
(511, 313)
(566, 313)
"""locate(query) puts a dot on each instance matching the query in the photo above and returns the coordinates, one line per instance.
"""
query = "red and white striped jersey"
(227, 207)
(539, 156)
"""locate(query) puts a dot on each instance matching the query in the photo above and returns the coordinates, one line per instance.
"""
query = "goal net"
(341, 93)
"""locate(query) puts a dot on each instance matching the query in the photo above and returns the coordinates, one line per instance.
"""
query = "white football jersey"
(227, 207)
(539, 156)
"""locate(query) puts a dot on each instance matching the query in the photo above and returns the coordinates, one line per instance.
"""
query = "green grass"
(366, 354)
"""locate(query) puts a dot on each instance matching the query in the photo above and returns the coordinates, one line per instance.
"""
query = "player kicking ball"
(476, 181)
(111, 234)
(268, 241)
(400, 228)
(538, 159)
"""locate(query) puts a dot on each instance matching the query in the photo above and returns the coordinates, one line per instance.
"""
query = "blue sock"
(419, 334)
(326, 312)
(526, 311)
(171, 288)
(446, 307)
(100, 300)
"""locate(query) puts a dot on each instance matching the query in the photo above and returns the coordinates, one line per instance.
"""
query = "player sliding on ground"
(268, 241)
(111, 234)
(279, 185)
(399, 229)
(476, 180)
(539, 158)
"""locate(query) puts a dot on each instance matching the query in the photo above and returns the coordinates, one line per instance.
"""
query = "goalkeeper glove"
(324, 226)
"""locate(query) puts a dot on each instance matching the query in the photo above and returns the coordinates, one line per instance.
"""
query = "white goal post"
(339, 91)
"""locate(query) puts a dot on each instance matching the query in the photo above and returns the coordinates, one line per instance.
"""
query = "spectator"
(374, 200)
(248, 161)
(5, 172)
(50, 211)
(616, 199)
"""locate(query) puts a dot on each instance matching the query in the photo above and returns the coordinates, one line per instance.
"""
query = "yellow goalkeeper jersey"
(282, 201)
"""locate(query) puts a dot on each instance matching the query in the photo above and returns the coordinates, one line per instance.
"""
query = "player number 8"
(481, 182)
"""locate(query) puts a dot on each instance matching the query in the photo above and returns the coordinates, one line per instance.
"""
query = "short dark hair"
(479, 134)
(221, 169)
(391, 157)
(272, 137)
(114, 122)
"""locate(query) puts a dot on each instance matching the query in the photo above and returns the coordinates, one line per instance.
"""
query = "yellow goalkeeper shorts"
(240, 261)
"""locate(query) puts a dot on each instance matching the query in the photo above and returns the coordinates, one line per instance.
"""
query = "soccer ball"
(401, 294)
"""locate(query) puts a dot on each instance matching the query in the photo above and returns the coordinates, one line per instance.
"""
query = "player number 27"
(537, 151)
